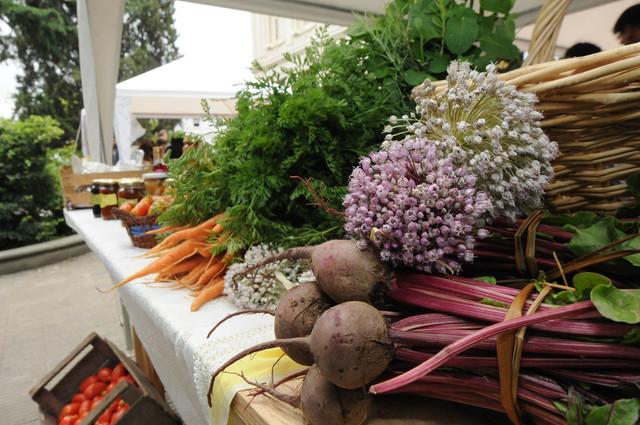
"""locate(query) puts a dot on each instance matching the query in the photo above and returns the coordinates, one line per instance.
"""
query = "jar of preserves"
(108, 198)
(154, 183)
(130, 191)
(169, 187)
(95, 198)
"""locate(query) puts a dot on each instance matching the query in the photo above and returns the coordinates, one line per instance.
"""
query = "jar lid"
(107, 181)
(131, 182)
(154, 176)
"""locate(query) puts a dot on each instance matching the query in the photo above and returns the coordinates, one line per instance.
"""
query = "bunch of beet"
(334, 327)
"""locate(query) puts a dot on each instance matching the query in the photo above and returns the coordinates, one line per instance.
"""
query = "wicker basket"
(136, 226)
(590, 107)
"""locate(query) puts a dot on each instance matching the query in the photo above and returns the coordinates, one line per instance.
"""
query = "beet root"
(351, 344)
(344, 272)
(347, 273)
(323, 403)
(296, 314)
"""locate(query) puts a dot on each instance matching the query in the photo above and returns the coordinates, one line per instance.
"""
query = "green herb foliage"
(30, 195)
(316, 117)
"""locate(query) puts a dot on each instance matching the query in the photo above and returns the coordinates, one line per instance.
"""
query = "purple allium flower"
(432, 208)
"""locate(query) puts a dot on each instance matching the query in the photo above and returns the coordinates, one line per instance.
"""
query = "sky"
(216, 36)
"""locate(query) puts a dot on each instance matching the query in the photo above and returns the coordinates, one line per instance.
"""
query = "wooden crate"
(76, 187)
(89, 356)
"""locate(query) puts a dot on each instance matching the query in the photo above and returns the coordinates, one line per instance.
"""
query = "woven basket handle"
(546, 30)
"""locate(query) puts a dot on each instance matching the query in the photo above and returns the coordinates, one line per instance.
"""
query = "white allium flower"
(264, 288)
(498, 129)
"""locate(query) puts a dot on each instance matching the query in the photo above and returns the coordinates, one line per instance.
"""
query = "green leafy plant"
(30, 197)
(416, 39)
(317, 116)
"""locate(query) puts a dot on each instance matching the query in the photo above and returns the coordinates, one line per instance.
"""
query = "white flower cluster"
(262, 289)
(489, 127)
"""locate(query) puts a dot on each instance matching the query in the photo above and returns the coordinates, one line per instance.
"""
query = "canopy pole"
(99, 38)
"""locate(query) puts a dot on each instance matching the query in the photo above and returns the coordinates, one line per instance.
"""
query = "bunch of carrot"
(185, 257)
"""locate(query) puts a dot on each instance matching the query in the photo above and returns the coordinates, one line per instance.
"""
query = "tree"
(44, 42)
(148, 37)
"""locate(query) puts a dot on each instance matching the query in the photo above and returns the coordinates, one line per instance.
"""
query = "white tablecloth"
(174, 337)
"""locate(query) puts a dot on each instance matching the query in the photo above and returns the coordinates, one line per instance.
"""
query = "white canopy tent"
(100, 29)
(175, 90)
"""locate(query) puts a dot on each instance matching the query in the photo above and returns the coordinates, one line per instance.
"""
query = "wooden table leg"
(144, 362)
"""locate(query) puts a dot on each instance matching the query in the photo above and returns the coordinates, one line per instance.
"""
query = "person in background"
(581, 49)
(627, 27)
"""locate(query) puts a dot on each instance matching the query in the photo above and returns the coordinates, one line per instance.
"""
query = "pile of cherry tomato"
(92, 391)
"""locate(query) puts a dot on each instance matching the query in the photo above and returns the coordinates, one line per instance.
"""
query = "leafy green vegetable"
(632, 337)
(580, 219)
(584, 282)
(487, 279)
(495, 303)
(462, 30)
(501, 6)
(600, 233)
(619, 305)
(621, 412)
(315, 117)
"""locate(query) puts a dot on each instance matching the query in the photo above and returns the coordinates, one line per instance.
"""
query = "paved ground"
(44, 314)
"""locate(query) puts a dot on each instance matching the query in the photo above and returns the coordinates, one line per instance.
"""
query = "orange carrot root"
(213, 290)
(180, 252)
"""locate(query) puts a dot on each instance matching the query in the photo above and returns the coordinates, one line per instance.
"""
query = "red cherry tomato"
(68, 420)
(88, 381)
(69, 409)
(104, 374)
(116, 416)
(94, 389)
(106, 416)
(85, 406)
(78, 421)
(78, 398)
(118, 371)
(109, 387)
(95, 401)
(127, 378)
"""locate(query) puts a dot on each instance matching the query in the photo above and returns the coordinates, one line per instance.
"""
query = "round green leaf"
(500, 6)
(413, 77)
(584, 282)
(461, 31)
(622, 412)
(619, 305)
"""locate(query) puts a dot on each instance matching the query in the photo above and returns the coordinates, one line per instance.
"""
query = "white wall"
(592, 25)
(273, 36)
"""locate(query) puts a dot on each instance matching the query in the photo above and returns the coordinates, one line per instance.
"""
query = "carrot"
(205, 250)
(168, 229)
(193, 276)
(198, 232)
(211, 291)
(183, 266)
(211, 273)
(179, 253)
(217, 229)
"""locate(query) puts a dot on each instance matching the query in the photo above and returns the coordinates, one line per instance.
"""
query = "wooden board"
(263, 410)
(75, 187)
(398, 409)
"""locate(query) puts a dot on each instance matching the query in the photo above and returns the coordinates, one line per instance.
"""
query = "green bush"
(30, 197)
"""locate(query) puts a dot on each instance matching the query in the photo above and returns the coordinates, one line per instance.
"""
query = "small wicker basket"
(136, 226)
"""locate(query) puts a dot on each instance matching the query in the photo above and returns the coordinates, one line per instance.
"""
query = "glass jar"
(130, 191)
(169, 187)
(108, 198)
(154, 183)
(95, 198)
